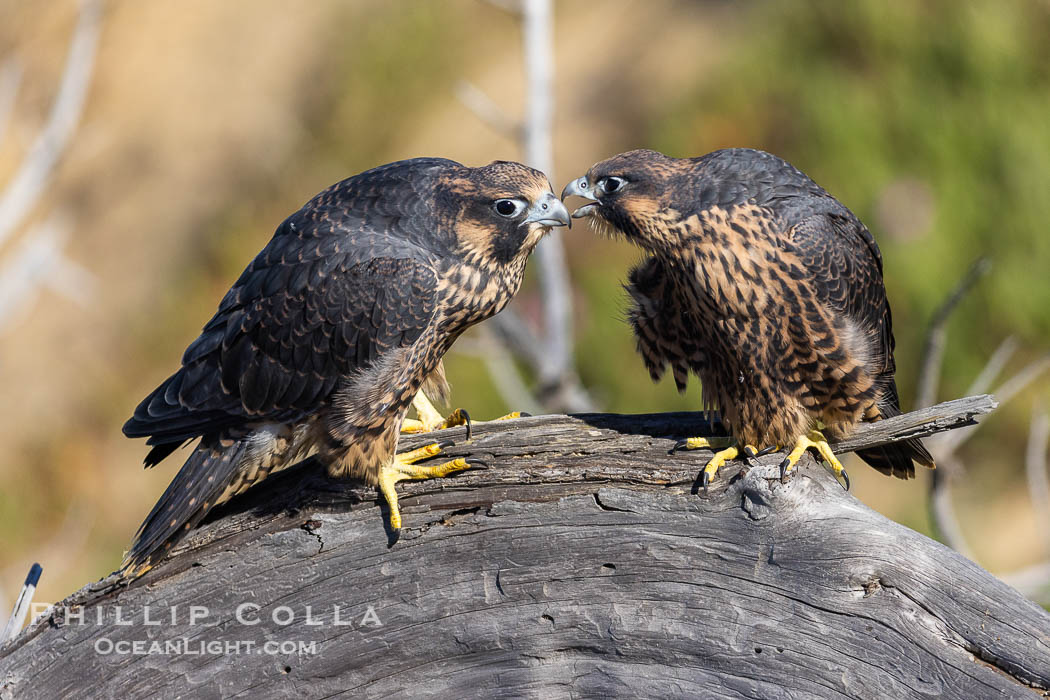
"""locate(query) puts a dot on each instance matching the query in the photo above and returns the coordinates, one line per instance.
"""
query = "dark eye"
(611, 184)
(509, 207)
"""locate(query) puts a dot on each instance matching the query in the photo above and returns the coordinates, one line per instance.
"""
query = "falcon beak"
(549, 212)
(581, 188)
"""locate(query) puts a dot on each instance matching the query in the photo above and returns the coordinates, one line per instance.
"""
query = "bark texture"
(583, 562)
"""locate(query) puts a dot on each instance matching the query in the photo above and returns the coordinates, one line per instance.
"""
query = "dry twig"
(548, 354)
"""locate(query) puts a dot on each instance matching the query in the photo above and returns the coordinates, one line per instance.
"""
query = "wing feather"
(346, 279)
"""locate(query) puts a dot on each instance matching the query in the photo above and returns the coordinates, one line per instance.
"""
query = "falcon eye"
(611, 184)
(509, 208)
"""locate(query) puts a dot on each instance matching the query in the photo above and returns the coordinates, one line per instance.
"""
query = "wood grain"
(582, 562)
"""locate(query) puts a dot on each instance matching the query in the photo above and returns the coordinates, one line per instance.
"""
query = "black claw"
(446, 443)
(681, 444)
(784, 468)
(749, 454)
(705, 479)
(466, 421)
(766, 450)
(845, 477)
(475, 463)
(524, 414)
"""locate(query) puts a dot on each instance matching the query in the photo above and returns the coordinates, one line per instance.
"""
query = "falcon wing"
(843, 259)
(302, 316)
(657, 320)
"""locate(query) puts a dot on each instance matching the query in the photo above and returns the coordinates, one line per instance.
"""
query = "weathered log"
(584, 561)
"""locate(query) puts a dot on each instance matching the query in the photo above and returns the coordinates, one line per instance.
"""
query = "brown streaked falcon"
(334, 328)
(764, 286)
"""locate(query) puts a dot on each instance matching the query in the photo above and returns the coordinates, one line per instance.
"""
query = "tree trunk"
(582, 562)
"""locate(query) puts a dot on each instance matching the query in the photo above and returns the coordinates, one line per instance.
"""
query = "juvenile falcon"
(764, 286)
(330, 333)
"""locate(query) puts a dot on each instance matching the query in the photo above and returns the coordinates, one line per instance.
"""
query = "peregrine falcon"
(331, 332)
(767, 288)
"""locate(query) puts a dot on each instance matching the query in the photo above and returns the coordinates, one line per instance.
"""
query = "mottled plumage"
(762, 284)
(322, 343)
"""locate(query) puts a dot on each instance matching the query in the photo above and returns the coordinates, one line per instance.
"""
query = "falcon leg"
(430, 419)
(698, 443)
(728, 449)
(404, 468)
(816, 440)
(513, 414)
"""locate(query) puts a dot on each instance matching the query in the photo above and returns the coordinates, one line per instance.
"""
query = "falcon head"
(629, 195)
(501, 211)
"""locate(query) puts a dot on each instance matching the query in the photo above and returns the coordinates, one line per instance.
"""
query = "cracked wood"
(582, 561)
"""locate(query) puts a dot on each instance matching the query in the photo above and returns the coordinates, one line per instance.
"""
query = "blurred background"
(149, 149)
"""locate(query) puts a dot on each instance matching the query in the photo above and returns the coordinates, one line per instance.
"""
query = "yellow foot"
(131, 571)
(404, 468)
(430, 419)
(513, 414)
(728, 449)
(816, 440)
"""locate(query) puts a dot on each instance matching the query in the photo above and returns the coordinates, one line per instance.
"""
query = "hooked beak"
(549, 211)
(581, 188)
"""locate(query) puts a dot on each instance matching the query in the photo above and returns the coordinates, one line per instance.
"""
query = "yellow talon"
(727, 447)
(717, 462)
(411, 425)
(404, 468)
(697, 443)
(418, 454)
(430, 419)
(816, 440)
(509, 416)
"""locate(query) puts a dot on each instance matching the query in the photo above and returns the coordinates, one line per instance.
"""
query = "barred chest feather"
(778, 359)
(473, 294)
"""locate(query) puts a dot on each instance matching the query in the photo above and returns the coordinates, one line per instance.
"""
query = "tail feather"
(896, 459)
(204, 481)
(160, 452)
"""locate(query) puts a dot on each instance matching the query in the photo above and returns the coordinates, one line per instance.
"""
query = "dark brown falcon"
(334, 329)
(764, 286)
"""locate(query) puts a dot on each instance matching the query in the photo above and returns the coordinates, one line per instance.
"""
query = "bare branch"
(72, 280)
(1006, 391)
(516, 335)
(1020, 381)
(10, 80)
(473, 98)
(933, 352)
(558, 370)
(949, 415)
(28, 183)
(550, 353)
(539, 153)
(39, 260)
(539, 70)
(983, 382)
(1035, 469)
(505, 375)
(941, 508)
(582, 513)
